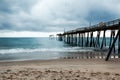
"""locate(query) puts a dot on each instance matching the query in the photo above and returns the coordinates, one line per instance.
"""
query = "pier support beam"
(72, 39)
(114, 44)
(104, 40)
(79, 40)
(87, 42)
(91, 39)
(69, 38)
(109, 53)
(98, 39)
(94, 42)
(112, 37)
(119, 45)
(76, 39)
(68, 41)
(64, 38)
(82, 40)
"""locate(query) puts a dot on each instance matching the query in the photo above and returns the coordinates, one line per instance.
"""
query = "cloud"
(55, 15)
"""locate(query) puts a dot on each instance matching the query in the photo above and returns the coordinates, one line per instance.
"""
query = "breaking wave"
(23, 50)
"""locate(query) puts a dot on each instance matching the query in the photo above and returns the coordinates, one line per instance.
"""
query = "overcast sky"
(43, 16)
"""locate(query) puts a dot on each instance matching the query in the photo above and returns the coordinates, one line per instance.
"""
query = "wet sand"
(61, 69)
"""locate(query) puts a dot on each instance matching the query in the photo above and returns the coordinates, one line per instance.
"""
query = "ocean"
(18, 49)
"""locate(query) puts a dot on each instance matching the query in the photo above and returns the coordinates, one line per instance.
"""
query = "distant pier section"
(51, 36)
(83, 37)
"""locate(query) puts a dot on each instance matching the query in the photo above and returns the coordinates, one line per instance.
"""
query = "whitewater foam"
(23, 50)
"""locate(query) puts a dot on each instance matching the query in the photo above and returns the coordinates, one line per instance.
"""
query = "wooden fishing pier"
(83, 37)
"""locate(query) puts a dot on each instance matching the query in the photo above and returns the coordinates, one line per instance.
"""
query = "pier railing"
(100, 26)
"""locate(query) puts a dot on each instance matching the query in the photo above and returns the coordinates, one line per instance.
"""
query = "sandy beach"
(61, 69)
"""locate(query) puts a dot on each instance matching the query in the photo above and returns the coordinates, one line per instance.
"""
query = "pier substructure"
(71, 37)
